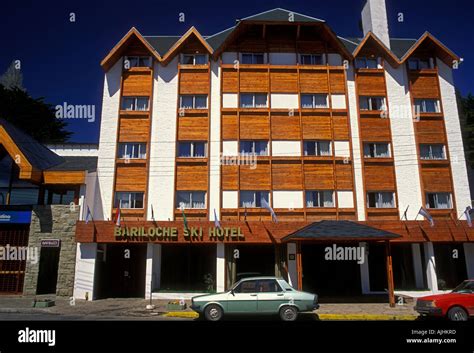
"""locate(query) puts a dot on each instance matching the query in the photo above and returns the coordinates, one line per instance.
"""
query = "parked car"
(457, 305)
(256, 295)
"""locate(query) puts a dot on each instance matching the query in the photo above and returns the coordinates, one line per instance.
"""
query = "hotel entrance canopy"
(340, 231)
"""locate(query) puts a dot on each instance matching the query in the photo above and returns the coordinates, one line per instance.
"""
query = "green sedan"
(256, 295)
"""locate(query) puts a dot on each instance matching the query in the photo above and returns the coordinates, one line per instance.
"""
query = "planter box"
(43, 303)
(170, 307)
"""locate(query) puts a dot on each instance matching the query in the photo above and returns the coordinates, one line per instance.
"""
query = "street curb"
(345, 317)
(23, 311)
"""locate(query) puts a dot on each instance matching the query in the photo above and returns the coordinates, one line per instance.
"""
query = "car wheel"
(288, 313)
(457, 314)
(213, 312)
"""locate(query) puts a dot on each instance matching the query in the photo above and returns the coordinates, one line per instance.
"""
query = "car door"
(270, 296)
(469, 301)
(243, 299)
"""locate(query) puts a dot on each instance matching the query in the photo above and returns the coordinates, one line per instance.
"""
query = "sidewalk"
(136, 308)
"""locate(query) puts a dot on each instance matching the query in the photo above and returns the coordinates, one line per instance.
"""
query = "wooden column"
(299, 266)
(388, 257)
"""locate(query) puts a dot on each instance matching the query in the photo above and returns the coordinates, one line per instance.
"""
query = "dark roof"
(280, 14)
(77, 163)
(162, 43)
(217, 39)
(36, 153)
(343, 230)
(398, 46)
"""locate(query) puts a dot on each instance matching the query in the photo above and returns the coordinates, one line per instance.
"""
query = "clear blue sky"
(60, 60)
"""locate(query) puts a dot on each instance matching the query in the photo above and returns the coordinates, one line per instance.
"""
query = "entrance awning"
(340, 230)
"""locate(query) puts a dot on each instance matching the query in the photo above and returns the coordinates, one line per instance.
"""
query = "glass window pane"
(24, 196)
(184, 149)
(424, 64)
(199, 149)
(133, 60)
(437, 151)
(183, 199)
(246, 147)
(261, 100)
(142, 103)
(306, 101)
(320, 101)
(144, 61)
(128, 103)
(431, 106)
(386, 200)
(413, 64)
(188, 59)
(247, 199)
(305, 59)
(425, 151)
(200, 102)
(444, 200)
(360, 63)
(327, 198)
(246, 100)
(138, 200)
(259, 196)
(382, 150)
(142, 153)
(324, 148)
(364, 103)
(186, 102)
(309, 148)
(258, 59)
(198, 199)
(200, 59)
(246, 58)
(372, 63)
(261, 148)
(317, 59)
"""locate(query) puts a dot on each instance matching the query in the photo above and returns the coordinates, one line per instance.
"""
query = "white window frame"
(375, 144)
(365, 62)
(194, 58)
(379, 200)
(194, 101)
(132, 146)
(254, 100)
(317, 148)
(422, 105)
(313, 99)
(190, 206)
(320, 199)
(312, 59)
(135, 103)
(435, 194)
(192, 149)
(254, 203)
(430, 151)
(254, 62)
(132, 200)
(137, 58)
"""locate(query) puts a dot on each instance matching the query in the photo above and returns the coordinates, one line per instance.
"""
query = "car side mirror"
(232, 292)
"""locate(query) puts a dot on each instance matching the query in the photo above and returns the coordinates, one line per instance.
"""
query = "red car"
(456, 306)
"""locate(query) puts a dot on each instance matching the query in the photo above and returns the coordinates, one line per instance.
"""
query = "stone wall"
(53, 222)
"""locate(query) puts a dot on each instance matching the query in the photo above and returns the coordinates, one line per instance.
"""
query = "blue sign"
(23, 217)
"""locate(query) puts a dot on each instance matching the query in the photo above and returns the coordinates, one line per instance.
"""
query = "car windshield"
(465, 287)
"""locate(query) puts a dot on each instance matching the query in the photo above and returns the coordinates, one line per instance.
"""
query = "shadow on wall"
(113, 78)
(45, 216)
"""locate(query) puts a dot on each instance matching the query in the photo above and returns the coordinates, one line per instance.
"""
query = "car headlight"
(426, 303)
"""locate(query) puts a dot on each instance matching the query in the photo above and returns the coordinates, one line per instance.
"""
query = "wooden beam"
(299, 266)
(388, 256)
(175, 48)
(64, 177)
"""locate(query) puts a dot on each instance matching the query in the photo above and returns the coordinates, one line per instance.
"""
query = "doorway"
(48, 270)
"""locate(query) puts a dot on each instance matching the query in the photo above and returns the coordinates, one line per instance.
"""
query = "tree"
(33, 116)
(466, 115)
(12, 78)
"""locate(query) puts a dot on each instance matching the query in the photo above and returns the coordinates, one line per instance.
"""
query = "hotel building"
(345, 140)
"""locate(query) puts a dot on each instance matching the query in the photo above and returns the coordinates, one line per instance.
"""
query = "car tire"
(457, 314)
(288, 313)
(213, 312)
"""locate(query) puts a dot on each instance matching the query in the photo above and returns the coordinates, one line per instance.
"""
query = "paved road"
(60, 317)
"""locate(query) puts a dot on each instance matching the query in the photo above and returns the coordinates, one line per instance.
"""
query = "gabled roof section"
(340, 230)
(372, 43)
(118, 49)
(428, 42)
(162, 43)
(192, 32)
(280, 14)
(31, 156)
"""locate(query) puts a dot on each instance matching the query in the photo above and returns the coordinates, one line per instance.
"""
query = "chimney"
(374, 18)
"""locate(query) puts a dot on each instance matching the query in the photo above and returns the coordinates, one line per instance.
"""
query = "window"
(440, 200)
(246, 287)
(193, 102)
(136, 61)
(314, 101)
(268, 286)
(377, 150)
(129, 199)
(253, 100)
(317, 148)
(366, 63)
(192, 149)
(253, 198)
(259, 148)
(320, 198)
(418, 64)
(311, 59)
(191, 199)
(432, 151)
(372, 103)
(380, 200)
(193, 59)
(253, 58)
(132, 150)
(427, 105)
(135, 103)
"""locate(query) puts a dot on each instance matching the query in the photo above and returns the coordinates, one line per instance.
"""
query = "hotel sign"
(171, 233)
